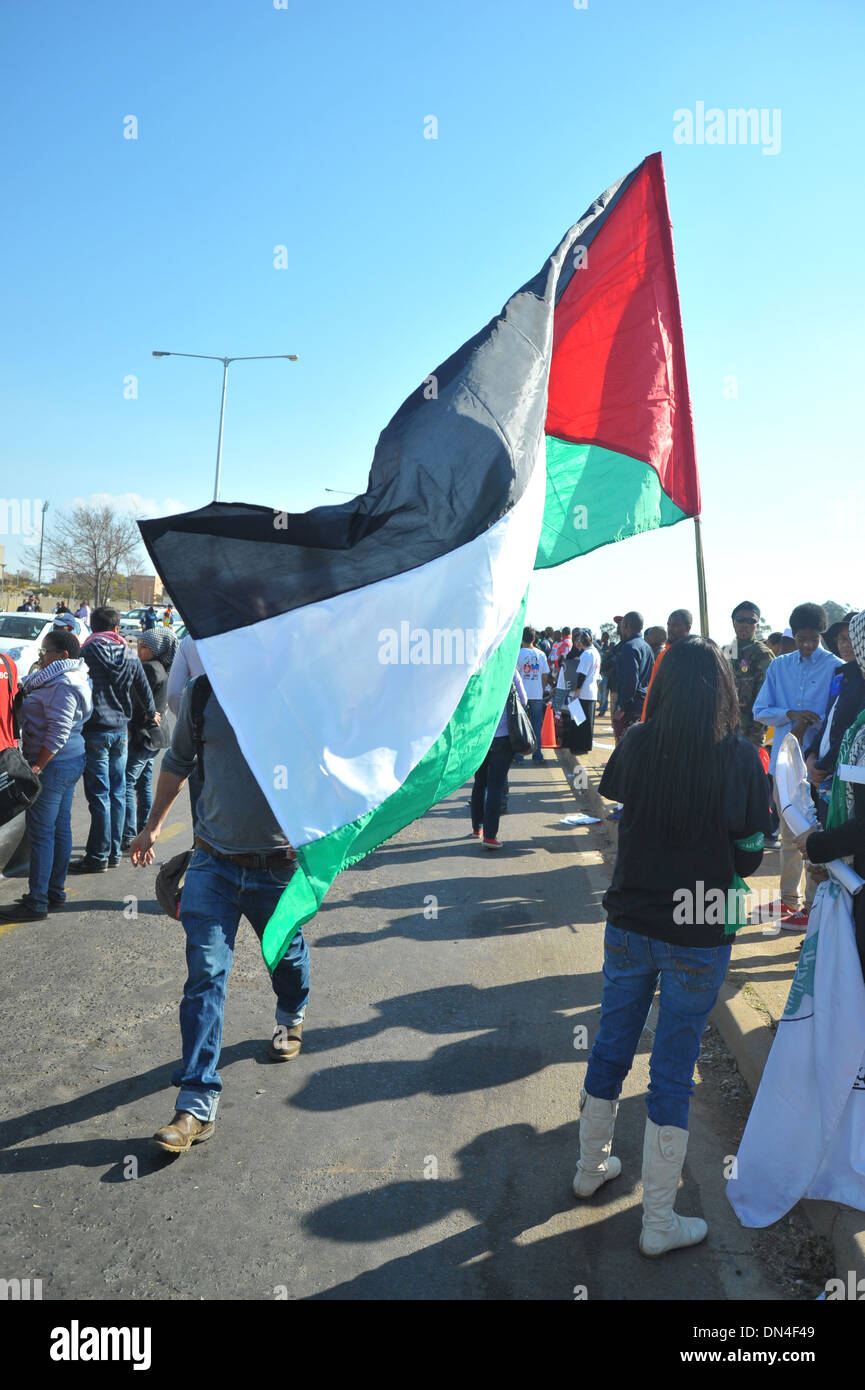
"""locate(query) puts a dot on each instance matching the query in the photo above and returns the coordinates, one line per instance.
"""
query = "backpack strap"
(14, 700)
(199, 695)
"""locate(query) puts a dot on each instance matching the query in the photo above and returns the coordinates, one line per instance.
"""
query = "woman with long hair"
(695, 812)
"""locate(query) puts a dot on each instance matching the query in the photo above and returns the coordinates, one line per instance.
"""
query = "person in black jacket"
(632, 673)
(696, 809)
(114, 673)
(145, 739)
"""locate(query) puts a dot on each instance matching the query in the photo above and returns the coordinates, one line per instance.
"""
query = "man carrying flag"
(561, 426)
(241, 865)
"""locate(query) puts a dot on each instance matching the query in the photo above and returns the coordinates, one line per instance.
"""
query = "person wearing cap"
(74, 625)
(794, 698)
(750, 659)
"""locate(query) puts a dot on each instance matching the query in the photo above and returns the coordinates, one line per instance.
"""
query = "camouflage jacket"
(749, 673)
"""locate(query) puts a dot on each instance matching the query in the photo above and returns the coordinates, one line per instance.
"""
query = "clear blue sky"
(303, 127)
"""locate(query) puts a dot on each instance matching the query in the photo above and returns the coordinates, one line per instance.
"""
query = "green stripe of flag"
(454, 757)
(595, 496)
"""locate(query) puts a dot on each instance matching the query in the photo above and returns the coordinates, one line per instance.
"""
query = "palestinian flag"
(574, 396)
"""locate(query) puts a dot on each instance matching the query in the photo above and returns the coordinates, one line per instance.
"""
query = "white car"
(131, 624)
(21, 638)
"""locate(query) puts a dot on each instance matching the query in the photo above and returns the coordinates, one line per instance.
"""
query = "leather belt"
(249, 861)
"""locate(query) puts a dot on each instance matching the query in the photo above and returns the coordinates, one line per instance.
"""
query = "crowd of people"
(94, 709)
(697, 733)
(697, 730)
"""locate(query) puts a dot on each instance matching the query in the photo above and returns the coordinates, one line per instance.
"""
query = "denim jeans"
(488, 787)
(105, 788)
(691, 977)
(49, 828)
(536, 715)
(139, 793)
(603, 695)
(215, 895)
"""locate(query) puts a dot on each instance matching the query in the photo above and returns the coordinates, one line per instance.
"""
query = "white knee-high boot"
(664, 1148)
(595, 1164)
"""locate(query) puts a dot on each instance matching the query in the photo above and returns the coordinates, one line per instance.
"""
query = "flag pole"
(701, 579)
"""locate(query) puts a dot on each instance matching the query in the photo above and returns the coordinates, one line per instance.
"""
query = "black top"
(142, 733)
(650, 879)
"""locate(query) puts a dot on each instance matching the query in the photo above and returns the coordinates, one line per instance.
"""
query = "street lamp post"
(206, 357)
(41, 544)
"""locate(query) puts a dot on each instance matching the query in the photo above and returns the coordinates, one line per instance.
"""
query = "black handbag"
(520, 731)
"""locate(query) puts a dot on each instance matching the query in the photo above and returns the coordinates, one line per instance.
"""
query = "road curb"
(750, 1041)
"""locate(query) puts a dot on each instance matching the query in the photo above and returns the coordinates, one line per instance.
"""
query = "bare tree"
(92, 544)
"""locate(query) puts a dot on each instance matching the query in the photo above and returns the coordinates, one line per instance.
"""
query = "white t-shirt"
(590, 665)
(186, 664)
(532, 666)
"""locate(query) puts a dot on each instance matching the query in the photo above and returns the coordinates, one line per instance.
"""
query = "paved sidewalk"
(753, 996)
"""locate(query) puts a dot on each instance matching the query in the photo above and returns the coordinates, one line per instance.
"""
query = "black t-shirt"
(651, 878)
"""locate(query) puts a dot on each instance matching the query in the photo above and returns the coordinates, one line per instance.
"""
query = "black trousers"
(578, 737)
(488, 786)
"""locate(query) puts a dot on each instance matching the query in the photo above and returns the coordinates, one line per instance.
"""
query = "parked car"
(131, 623)
(14, 848)
(21, 638)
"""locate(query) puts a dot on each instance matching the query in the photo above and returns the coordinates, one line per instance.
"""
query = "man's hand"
(818, 872)
(816, 775)
(801, 839)
(157, 716)
(804, 716)
(141, 849)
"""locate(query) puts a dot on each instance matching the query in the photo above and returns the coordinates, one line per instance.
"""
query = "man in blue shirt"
(793, 699)
(633, 669)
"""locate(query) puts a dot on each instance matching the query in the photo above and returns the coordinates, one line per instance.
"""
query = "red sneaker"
(796, 921)
(477, 833)
(492, 844)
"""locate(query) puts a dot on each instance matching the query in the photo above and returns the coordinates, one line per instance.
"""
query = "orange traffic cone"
(548, 730)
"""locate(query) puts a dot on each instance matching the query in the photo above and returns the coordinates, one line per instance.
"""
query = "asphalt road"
(421, 1146)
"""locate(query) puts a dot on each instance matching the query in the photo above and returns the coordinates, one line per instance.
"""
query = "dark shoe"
(113, 861)
(125, 846)
(184, 1131)
(54, 900)
(87, 866)
(285, 1042)
(21, 911)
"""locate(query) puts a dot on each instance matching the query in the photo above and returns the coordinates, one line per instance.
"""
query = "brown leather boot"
(184, 1131)
(286, 1042)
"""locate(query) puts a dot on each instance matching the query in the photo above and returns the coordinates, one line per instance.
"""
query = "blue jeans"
(536, 715)
(105, 788)
(603, 694)
(489, 784)
(49, 828)
(691, 977)
(139, 793)
(215, 895)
